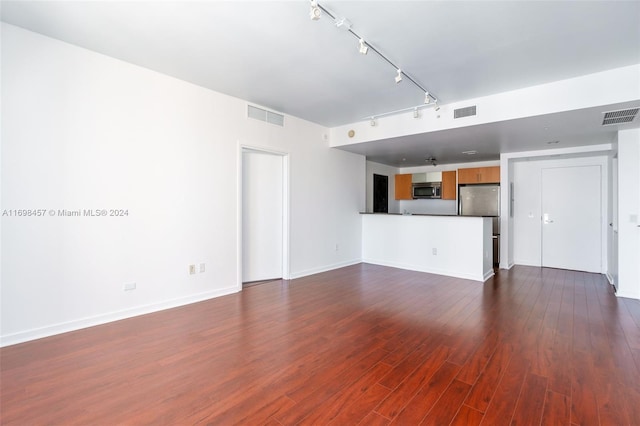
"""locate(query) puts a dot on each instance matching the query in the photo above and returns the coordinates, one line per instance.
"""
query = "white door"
(571, 218)
(262, 227)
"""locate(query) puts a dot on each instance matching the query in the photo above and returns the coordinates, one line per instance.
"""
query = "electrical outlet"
(202, 267)
(129, 286)
(434, 251)
(192, 269)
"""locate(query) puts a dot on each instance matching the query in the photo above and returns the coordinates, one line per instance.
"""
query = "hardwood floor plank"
(424, 400)
(501, 407)
(530, 405)
(403, 393)
(486, 385)
(474, 366)
(446, 408)
(467, 416)
(373, 419)
(364, 344)
(584, 405)
(331, 407)
(557, 409)
(362, 408)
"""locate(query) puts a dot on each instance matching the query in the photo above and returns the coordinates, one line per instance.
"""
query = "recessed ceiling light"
(470, 152)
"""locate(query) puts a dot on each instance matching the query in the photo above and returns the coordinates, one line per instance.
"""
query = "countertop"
(421, 214)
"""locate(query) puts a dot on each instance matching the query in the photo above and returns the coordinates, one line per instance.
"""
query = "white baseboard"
(609, 278)
(325, 268)
(417, 268)
(527, 262)
(509, 266)
(628, 295)
(38, 333)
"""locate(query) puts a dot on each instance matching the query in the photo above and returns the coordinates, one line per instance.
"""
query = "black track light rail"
(356, 35)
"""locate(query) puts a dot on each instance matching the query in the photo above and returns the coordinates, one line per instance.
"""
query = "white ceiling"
(270, 53)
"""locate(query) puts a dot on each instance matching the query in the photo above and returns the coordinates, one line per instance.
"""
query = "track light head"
(372, 122)
(314, 12)
(437, 106)
(427, 98)
(416, 113)
(399, 76)
(363, 47)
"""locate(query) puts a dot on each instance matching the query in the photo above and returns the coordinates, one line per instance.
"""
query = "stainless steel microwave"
(427, 190)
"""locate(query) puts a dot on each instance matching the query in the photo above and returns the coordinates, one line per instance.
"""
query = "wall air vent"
(619, 117)
(264, 115)
(464, 112)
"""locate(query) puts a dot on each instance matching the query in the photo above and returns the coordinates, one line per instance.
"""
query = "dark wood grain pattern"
(364, 345)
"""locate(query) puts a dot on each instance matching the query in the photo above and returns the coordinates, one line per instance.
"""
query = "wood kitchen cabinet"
(479, 175)
(449, 185)
(403, 187)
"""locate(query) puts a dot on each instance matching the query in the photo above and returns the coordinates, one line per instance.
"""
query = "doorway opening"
(264, 217)
(380, 194)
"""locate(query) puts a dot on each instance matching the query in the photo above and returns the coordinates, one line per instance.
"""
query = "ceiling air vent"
(264, 115)
(464, 112)
(619, 117)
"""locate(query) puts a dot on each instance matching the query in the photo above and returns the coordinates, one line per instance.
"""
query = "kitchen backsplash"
(428, 206)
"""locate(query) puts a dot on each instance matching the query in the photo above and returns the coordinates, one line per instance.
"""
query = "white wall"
(629, 213)
(459, 246)
(391, 172)
(84, 131)
(527, 225)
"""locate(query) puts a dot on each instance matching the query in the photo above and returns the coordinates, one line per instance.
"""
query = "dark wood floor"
(361, 345)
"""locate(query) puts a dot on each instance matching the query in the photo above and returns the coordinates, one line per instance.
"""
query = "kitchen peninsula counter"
(457, 246)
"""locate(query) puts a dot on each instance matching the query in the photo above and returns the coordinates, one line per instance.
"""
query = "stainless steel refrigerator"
(482, 200)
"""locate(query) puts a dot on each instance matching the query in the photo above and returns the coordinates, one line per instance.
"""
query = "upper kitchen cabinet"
(479, 175)
(426, 177)
(449, 185)
(403, 187)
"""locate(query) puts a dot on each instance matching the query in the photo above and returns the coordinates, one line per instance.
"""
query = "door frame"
(286, 274)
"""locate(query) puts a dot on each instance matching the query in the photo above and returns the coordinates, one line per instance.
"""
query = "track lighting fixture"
(399, 76)
(416, 113)
(373, 122)
(314, 12)
(363, 47)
